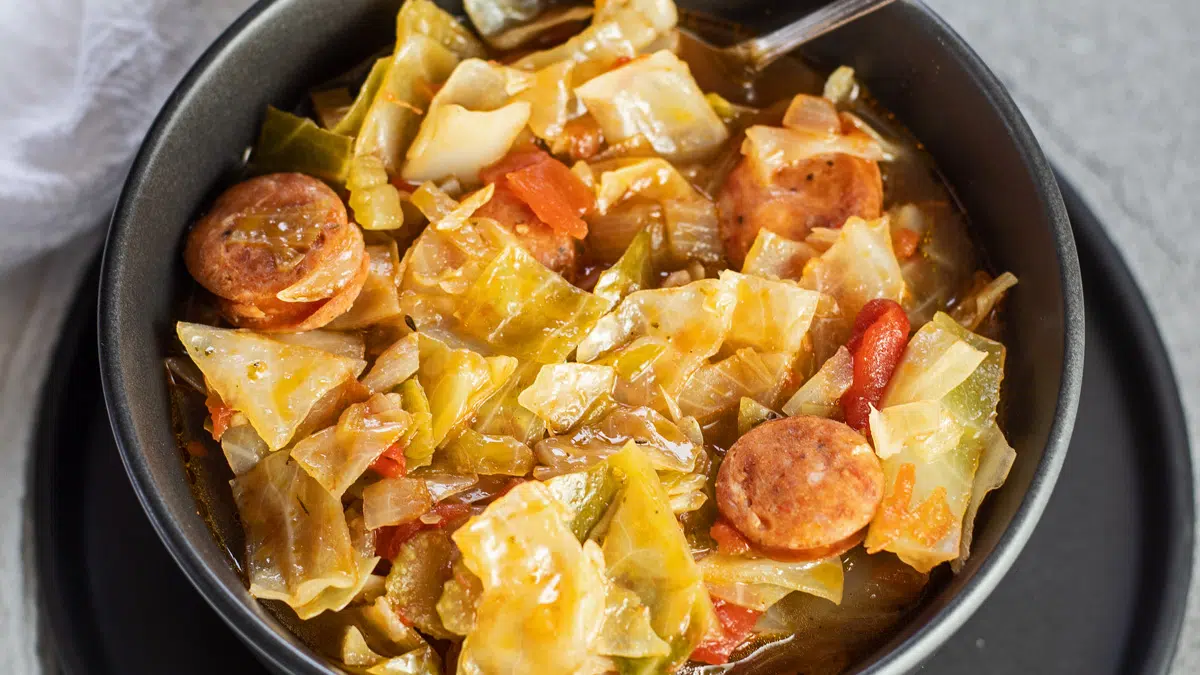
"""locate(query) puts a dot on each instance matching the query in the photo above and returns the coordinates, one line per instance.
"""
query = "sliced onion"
(394, 501)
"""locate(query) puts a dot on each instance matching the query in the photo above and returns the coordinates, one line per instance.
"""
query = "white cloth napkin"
(80, 82)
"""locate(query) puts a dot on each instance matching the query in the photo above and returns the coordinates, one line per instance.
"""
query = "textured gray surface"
(1110, 89)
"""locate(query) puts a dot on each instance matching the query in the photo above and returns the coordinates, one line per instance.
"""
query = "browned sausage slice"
(801, 487)
(275, 233)
(822, 191)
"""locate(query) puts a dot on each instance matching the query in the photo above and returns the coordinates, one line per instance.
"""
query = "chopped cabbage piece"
(627, 631)
(521, 308)
(619, 30)
(657, 98)
(715, 389)
(336, 599)
(420, 661)
(374, 200)
(586, 496)
(455, 142)
(563, 393)
(686, 490)
(645, 551)
(471, 452)
(297, 541)
(419, 451)
(994, 464)
(337, 456)
(751, 413)
(758, 583)
(393, 501)
(770, 315)
(396, 364)
(551, 100)
(457, 381)
(348, 345)
(690, 217)
(775, 257)
(923, 427)
(379, 299)
(492, 17)
(243, 448)
(503, 414)
(543, 594)
(351, 120)
(273, 384)
(685, 326)
(460, 596)
(634, 271)
(841, 87)
(812, 113)
(290, 143)
(518, 35)
(668, 448)
(822, 394)
(859, 267)
(925, 499)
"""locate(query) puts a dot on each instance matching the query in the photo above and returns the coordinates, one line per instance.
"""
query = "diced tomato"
(905, 242)
(513, 161)
(391, 463)
(221, 415)
(734, 624)
(877, 343)
(557, 196)
(729, 540)
(450, 512)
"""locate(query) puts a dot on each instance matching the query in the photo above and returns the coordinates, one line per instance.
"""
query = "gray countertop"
(1110, 89)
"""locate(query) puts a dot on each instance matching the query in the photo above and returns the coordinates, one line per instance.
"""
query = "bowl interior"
(912, 63)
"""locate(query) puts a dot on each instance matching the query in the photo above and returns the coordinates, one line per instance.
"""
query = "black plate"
(1099, 588)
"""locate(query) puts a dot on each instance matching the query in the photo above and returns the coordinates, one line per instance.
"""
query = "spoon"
(753, 55)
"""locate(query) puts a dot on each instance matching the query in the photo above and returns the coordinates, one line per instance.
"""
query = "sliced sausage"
(820, 192)
(801, 487)
(274, 234)
(556, 250)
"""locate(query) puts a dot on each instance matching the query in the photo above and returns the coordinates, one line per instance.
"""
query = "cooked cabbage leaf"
(924, 427)
(586, 495)
(470, 452)
(758, 583)
(563, 393)
(414, 584)
(348, 345)
(657, 98)
(634, 271)
(751, 413)
(769, 315)
(419, 451)
(645, 551)
(297, 541)
(503, 414)
(336, 599)
(973, 309)
(375, 201)
(925, 500)
(822, 394)
(393, 501)
(243, 448)
(627, 631)
(688, 491)
(337, 456)
(859, 267)
(619, 30)
(396, 364)
(665, 444)
(290, 143)
(273, 384)
(457, 381)
(379, 299)
(776, 257)
(460, 596)
(455, 142)
(715, 389)
(994, 464)
(543, 593)
(521, 308)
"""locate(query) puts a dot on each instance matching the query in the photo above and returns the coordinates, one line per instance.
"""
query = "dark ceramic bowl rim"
(274, 650)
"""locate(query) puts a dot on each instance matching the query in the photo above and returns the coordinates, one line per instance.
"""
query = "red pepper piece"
(734, 623)
(877, 343)
(221, 415)
(391, 463)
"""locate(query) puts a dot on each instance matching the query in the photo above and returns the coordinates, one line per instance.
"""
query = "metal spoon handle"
(762, 51)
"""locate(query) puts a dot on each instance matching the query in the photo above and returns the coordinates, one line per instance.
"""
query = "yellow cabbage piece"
(926, 497)
(348, 345)
(656, 339)
(619, 30)
(396, 364)
(337, 456)
(924, 427)
(290, 143)
(994, 464)
(634, 271)
(655, 97)
(473, 453)
(627, 631)
(758, 583)
(393, 501)
(457, 381)
(859, 267)
(645, 551)
(769, 315)
(455, 142)
(273, 384)
(362, 539)
(586, 495)
(379, 299)
(298, 544)
(688, 491)
(503, 414)
(521, 308)
(751, 413)
(414, 584)
(375, 201)
(460, 596)
(716, 389)
(350, 119)
(664, 443)
(821, 395)
(690, 217)
(242, 448)
(419, 451)
(543, 593)
(775, 257)
(972, 310)
(564, 392)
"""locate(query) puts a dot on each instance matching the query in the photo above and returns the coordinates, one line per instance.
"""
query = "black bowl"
(914, 64)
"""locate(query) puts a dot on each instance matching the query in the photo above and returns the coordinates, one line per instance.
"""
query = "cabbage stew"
(537, 345)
